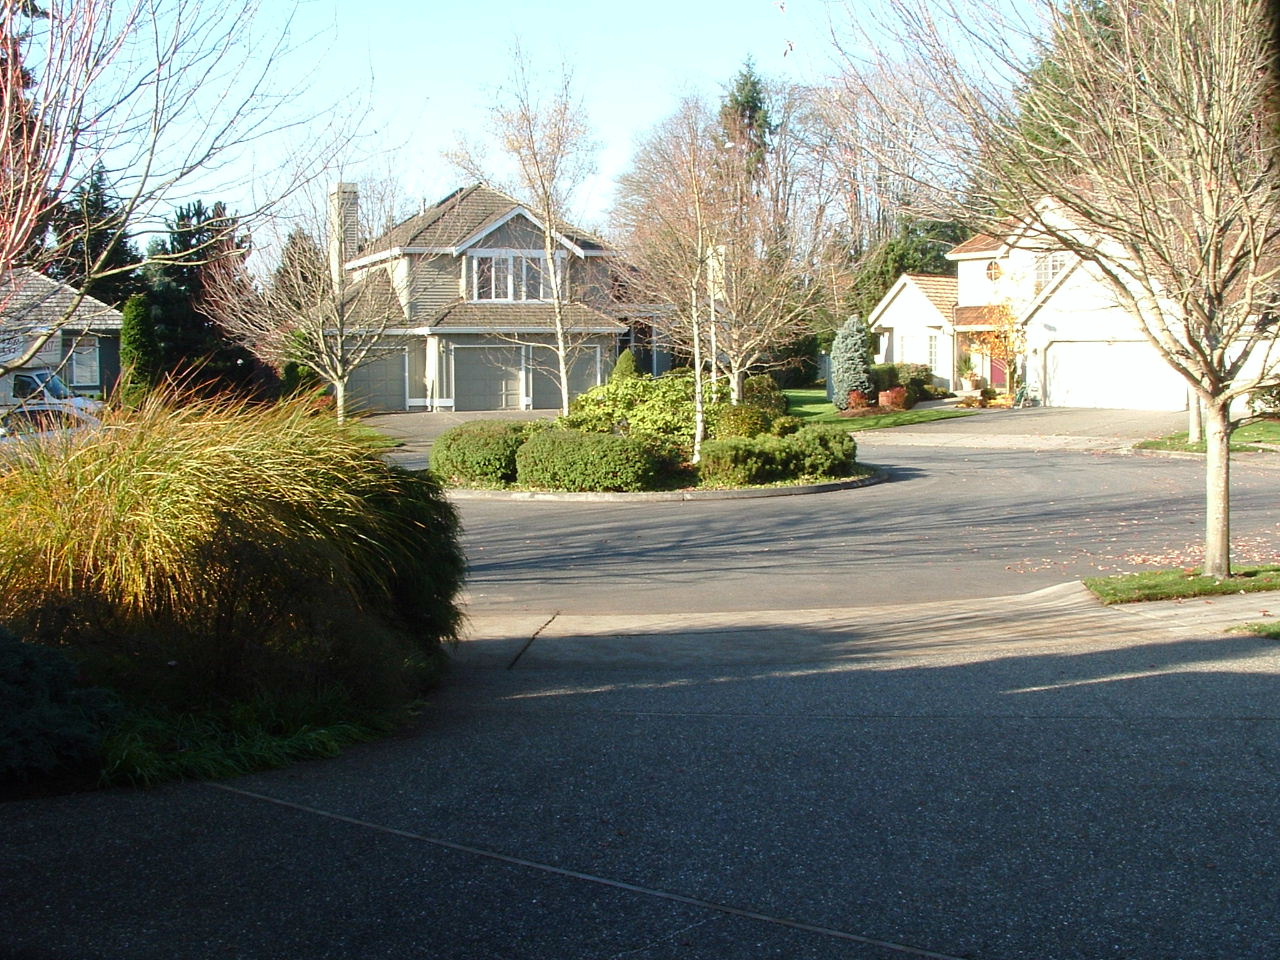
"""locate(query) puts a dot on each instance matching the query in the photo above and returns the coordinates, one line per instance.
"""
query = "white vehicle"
(41, 385)
(36, 422)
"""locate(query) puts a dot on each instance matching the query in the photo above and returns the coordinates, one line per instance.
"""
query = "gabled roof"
(938, 289)
(461, 220)
(32, 301)
(941, 290)
(981, 243)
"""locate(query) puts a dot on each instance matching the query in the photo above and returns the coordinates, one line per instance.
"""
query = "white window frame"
(515, 260)
(1048, 266)
(82, 363)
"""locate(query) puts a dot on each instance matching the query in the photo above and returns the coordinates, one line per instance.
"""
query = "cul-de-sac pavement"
(885, 722)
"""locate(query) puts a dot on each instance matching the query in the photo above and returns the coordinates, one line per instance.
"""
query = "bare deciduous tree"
(668, 234)
(737, 242)
(547, 138)
(310, 310)
(146, 95)
(1136, 135)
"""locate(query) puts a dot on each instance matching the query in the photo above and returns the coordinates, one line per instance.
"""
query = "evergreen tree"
(744, 116)
(193, 347)
(88, 238)
(140, 353)
(625, 367)
(920, 246)
(851, 362)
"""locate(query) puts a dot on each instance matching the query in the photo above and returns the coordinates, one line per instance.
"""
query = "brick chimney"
(344, 216)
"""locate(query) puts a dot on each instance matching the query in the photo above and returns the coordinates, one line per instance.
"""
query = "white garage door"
(1121, 376)
(486, 378)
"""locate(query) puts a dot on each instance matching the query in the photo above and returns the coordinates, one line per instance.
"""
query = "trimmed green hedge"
(575, 460)
(820, 451)
(479, 452)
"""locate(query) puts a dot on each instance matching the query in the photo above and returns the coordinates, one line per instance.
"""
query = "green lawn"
(812, 406)
(1177, 584)
(1261, 431)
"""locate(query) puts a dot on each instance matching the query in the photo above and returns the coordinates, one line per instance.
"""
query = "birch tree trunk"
(1217, 489)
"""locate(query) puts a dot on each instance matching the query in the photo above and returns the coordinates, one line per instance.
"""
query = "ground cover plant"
(230, 567)
(1181, 584)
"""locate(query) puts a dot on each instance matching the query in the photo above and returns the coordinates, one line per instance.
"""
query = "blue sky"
(430, 69)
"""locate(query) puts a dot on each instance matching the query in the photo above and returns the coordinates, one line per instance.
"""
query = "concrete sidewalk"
(1053, 618)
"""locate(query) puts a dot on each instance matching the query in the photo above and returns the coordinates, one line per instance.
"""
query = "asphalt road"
(1020, 779)
(951, 523)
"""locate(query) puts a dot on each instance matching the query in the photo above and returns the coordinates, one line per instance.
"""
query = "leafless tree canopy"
(740, 249)
(547, 138)
(306, 308)
(1137, 135)
(152, 94)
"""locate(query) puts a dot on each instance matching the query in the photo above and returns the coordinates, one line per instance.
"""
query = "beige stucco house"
(471, 279)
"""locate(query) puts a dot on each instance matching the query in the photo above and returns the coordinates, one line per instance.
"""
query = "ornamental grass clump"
(201, 552)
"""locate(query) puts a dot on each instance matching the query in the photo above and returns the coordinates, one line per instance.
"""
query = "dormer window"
(1048, 266)
(509, 276)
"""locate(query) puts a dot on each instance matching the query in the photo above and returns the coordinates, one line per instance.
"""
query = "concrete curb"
(672, 496)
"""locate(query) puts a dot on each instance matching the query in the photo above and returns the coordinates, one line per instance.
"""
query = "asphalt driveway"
(1009, 772)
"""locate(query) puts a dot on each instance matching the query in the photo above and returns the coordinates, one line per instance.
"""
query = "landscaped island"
(637, 434)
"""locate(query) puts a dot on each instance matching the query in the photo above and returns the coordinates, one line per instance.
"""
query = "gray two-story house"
(470, 275)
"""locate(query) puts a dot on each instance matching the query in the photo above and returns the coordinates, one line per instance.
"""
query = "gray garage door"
(546, 384)
(378, 384)
(486, 378)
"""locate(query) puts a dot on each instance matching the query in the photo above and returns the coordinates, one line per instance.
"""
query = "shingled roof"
(985, 316)
(32, 301)
(940, 290)
(529, 315)
(461, 215)
(981, 243)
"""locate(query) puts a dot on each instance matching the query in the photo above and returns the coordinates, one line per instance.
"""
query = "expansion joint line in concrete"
(667, 895)
(529, 643)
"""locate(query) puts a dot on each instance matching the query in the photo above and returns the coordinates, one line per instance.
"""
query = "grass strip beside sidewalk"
(1181, 584)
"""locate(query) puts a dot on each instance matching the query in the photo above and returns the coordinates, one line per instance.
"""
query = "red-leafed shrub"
(894, 399)
(859, 400)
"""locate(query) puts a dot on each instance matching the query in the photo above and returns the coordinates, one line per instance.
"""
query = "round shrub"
(785, 426)
(762, 391)
(479, 452)
(823, 450)
(655, 405)
(577, 460)
(49, 723)
(739, 421)
(744, 461)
